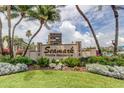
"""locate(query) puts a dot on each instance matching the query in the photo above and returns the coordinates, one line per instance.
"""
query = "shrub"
(116, 71)
(121, 55)
(71, 62)
(55, 61)
(116, 60)
(5, 58)
(7, 68)
(84, 61)
(104, 60)
(43, 62)
(97, 59)
(120, 63)
(20, 59)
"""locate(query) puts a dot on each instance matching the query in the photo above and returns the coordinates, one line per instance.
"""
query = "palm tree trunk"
(9, 28)
(116, 15)
(13, 33)
(91, 28)
(1, 40)
(33, 38)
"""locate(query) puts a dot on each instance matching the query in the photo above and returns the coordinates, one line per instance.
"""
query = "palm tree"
(2, 8)
(91, 28)
(20, 10)
(9, 28)
(1, 41)
(116, 15)
(44, 14)
(115, 9)
(28, 34)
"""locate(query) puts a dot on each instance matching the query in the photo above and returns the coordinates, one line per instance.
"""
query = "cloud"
(70, 34)
(74, 28)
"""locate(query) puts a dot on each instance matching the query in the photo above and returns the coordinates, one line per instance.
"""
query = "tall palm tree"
(2, 9)
(19, 10)
(9, 28)
(91, 28)
(1, 41)
(44, 14)
(115, 9)
(116, 15)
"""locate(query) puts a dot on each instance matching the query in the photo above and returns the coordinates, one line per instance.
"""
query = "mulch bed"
(80, 69)
(37, 67)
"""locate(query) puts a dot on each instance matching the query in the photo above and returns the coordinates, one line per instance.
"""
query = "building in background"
(55, 49)
(121, 50)
(87, 52)
(55, 38)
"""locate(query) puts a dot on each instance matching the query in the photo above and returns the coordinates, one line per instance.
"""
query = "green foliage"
(96, 59)
(71, 62)
(84, 61)
(43, 62)
(5, 59)
(20, 59)
(44, 12)
(104, 60)
(17, 59)
(53, 61)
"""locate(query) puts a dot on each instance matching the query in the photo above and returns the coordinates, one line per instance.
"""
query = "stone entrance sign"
(59, 51)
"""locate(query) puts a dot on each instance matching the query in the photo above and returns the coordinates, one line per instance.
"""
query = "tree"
(44, 14)
(91, 28)
(28, 34)
(9, 28)
(18, 42)
(116, 15)
(20, 10)
(115, 9)
(2, 9)
(1, 41)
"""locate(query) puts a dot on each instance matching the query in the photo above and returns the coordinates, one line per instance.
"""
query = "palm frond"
(14, 15)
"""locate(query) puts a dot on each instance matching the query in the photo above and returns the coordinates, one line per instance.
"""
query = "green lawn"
(59, 79)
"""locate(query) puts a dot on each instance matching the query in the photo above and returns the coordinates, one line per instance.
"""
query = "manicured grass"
(50, 79)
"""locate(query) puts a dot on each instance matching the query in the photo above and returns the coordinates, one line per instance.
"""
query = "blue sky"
(74, 28)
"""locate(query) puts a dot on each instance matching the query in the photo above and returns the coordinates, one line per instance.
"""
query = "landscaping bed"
(64, 68)
(108, 66)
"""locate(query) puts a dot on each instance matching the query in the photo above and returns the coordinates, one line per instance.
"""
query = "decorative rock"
(66, 68)
(52, 65)
(58, 67)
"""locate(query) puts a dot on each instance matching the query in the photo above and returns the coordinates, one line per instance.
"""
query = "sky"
(74, 28)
